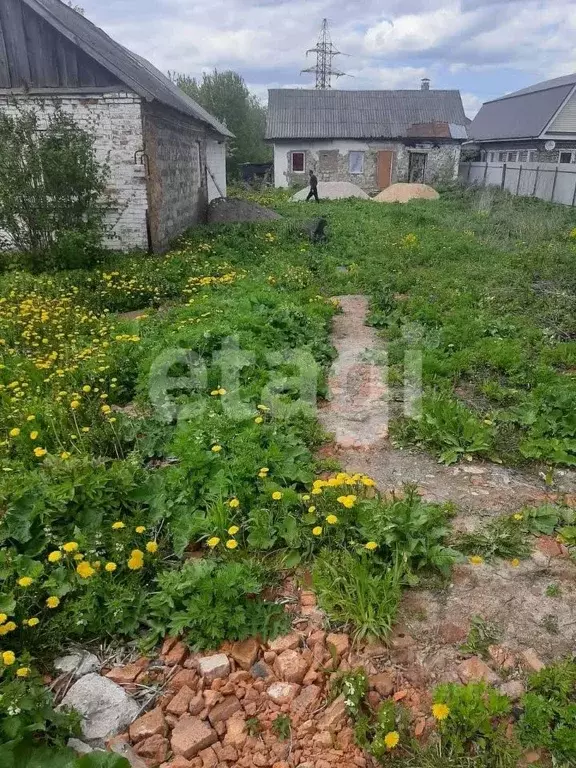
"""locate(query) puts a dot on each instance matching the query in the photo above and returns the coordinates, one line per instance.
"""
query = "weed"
(550, 624)
(253, 726)
(503, 537)
(553, 590)
(482, 634)
(354, 687)
(282, 727)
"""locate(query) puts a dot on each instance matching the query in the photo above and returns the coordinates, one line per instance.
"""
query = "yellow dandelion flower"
(8, 658)
(85, 570)
(233, 530)
(258, 420)
(216, 448)
(515, 562)
(152, 547)
(105, 409)
(110, 567)
(135, 563)
(317, 531)
(118, 525)
(305, 497)
(221, 391)
(53, 557)
(39, 452)
(51, 602)
(370, 546)
(23, 672)
(33, 435)
(368, 482)
(440, 711)
(14, 432)
(316, 491)
(391, 739)
(65, 455)
(312, 509)
(140, 529)
(347, 501)
(264, 470)
(25, 581)
(74, 404)
(78, 557)
(476, 560)
(331, 519)
(234, 503)
(3, 618)
(231, 544)
(70, 546)
(277, 495)
(86, 388)
(34, 621)
(213, 542)
(518, 516)
(31, 417)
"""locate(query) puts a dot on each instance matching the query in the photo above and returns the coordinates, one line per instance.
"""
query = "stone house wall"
(176, 153)
(330, 162)
(114, 119)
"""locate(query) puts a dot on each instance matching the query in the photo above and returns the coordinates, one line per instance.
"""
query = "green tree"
(226, 96)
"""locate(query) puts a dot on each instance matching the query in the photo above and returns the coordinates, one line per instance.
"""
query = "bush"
(52, 189)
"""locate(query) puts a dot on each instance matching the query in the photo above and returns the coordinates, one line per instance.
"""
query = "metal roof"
(523, 114)
(327, 114)
(133, 70)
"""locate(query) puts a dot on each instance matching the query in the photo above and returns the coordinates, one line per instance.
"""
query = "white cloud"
(471, 104)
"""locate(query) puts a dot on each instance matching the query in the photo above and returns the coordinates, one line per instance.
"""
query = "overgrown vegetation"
(156, 474)
(52, 190)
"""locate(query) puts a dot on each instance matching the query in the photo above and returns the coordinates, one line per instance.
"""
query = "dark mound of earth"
(224, 210)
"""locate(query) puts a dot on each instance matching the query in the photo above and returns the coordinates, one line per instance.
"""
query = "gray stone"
(79, 746)
(79, 663)
(105, 707)
(514, 689)
(214, 666)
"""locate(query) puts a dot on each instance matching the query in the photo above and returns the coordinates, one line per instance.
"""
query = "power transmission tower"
(325, 52)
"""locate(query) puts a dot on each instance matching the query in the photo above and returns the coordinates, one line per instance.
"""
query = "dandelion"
(391, 739)
(78, 557)
(213, 542)
(317, 531)
(70, 546)
(14, 432)
(233, 503)
(31, 417)
(110, 567)
(476, 560)
(51, 602)
(370, 546)
(277, 495)
(8, 658)
(440, 711)
(262, 407)
(231, 544)
(518, 516)
(264, 470)
(23, 672)
(3, 618)
(34, 621)
(515, 562)
(312, 509)
(65, 455)
(33, 435)
(216, 448)
(152, 547)
(346, 501)
(368, 482)
(74, 404)
(118, 525)
(25, 581)
(233, 530)
(135, 563)
(305, 497)
(85, 570)
(316, 491)
(86, 388)
(331, 519)
(105, 409)
(140, 529)
(39, 452)
(53, 557)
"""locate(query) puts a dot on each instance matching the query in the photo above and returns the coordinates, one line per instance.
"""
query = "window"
(356, 162)
(298, 162)
(512, 157)
(567, 157)
(533, 155)
(523, 156)
(502, 157)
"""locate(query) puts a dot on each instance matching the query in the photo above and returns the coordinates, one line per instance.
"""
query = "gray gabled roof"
(327, 114)
(523, 114)
(137, 73)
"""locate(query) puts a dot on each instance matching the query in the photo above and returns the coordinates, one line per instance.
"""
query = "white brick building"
(165, 153)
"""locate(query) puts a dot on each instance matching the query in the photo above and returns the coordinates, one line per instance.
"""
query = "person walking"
(313, 187)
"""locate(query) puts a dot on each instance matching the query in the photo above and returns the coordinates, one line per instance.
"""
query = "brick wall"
(115, 121)
(330, 162)
(176, 150)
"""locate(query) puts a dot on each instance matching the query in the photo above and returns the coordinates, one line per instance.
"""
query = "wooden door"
(384, 170)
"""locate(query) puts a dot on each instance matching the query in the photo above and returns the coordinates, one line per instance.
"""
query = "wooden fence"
(546, 181)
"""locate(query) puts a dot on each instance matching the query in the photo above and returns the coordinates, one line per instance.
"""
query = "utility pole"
(325, 52)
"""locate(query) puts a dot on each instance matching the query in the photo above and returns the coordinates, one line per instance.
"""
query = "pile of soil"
(333, 190)
(226, 210)
(402, 193)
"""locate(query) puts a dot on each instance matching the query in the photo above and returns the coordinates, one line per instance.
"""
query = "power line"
(325, 52)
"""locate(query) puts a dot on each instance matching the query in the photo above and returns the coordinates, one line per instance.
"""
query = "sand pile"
(333, 190)
(401, 193)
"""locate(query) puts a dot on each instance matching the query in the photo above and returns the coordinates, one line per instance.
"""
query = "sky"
(484, 48)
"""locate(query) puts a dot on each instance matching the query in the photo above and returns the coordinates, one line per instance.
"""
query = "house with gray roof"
(533, 125)
(369, 138)
(166, 154)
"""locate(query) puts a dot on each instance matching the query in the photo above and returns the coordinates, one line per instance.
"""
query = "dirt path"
(513, 599)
